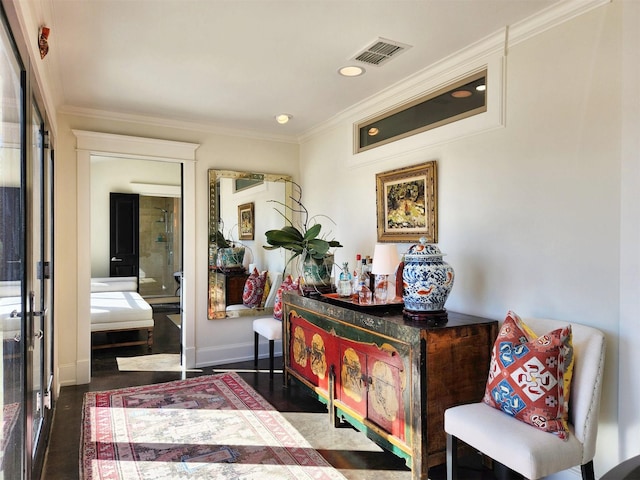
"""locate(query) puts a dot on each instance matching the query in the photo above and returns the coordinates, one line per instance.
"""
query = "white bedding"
(116, 305)
(10, 325)
(119, 310)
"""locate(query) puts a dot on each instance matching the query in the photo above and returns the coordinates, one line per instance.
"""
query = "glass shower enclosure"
(160, 246)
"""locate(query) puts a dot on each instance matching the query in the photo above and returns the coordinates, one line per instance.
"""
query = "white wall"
(629, 335)
(529, 214)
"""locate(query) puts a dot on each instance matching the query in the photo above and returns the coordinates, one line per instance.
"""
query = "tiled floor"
(346, 449)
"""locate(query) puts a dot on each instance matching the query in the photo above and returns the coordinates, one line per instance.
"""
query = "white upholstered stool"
(267, 326)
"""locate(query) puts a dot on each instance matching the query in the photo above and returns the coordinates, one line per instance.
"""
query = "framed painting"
(246, 221)
(407, 204)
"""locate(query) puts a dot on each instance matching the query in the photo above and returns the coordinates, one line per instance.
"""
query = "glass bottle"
(358, 268)
(344, 282)
(364, 291)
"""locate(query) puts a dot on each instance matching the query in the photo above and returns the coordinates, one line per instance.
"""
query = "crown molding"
(550, 17)
(42, 69)
(170, 123)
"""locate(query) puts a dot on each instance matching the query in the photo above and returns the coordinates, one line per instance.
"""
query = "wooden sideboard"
(225, 288)
(389, 377)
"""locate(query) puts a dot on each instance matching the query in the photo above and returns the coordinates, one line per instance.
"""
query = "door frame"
(124, 146)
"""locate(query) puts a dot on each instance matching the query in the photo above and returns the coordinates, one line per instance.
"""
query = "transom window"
(451, 103)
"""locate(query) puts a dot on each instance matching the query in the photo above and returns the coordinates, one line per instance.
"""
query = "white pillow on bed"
(10, 288)
(114, 284)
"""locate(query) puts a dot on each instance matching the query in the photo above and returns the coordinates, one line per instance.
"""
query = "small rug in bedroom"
(159, 362)
(213, 426)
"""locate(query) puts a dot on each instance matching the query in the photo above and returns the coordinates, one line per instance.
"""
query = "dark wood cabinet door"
(124, 232)
(234, 288)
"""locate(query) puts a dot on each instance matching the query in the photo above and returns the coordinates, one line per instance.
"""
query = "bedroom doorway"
(91, 144)
(141, 236)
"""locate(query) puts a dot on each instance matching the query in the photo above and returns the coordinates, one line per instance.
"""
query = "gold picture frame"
(246, 221)
(407, 204)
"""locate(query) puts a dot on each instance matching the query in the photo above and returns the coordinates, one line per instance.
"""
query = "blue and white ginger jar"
(427, 279)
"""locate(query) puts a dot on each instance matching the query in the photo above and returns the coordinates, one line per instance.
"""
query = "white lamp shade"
(385, 259)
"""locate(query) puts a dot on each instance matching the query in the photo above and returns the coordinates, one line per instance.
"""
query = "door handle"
(17, 314)
(116, 259)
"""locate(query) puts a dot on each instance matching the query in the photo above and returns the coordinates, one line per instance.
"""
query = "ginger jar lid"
(423, 251)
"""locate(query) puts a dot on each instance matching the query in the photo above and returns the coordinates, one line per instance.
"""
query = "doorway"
(92, 144)
(143, 232)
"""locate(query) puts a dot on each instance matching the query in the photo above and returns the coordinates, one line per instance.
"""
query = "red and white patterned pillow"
(288, 285)
(254, 289)
(530, 375)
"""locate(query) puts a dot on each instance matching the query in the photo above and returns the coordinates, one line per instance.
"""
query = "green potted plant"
(304, 240)
(225, 253)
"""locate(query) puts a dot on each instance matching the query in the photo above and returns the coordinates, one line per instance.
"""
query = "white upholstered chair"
(523, 448)
(267, 326)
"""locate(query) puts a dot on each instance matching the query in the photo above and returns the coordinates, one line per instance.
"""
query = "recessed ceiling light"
(481, 88)
(283, 118)
(461, 94)
(351, 71)
(373, 131)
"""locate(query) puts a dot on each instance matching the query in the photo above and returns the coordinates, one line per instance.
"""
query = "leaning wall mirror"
(241, 210)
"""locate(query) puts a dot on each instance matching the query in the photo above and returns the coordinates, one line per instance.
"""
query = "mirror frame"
(214, 220)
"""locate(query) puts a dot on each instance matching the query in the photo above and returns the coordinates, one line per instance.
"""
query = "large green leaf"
(283, 236)
(293, 231)
(317, 246)
(313, 232)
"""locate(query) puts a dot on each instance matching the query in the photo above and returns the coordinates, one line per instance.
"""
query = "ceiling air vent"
(381, 51)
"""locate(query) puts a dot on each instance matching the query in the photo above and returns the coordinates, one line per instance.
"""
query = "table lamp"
(385, 262)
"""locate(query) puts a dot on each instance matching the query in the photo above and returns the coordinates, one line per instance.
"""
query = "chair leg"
(452, 457)
(587, 471)
(256, 339)
(271, 343)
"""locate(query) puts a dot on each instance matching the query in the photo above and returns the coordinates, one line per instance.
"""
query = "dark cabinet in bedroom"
(225, 288)
(390, 378)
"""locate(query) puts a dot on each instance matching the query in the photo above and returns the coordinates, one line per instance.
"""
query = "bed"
(11, 317)
(116, 306)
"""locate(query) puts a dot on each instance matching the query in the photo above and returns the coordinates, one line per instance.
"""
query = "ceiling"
(234, 64)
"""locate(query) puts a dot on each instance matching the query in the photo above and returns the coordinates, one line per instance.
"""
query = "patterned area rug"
(208, 427)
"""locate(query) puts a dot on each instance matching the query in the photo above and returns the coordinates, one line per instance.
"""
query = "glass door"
(26, 233)
(38, 273)
(13, 298)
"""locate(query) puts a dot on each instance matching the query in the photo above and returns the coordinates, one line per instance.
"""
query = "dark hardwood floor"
(62, 457)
